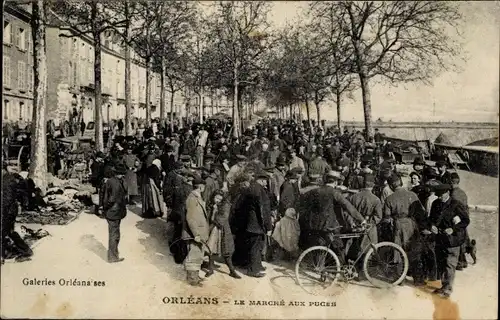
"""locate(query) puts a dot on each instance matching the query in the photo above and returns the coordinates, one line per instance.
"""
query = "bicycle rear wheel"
(317, 269)
(385, 264)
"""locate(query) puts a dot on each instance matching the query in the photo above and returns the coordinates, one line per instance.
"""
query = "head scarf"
(157, 163)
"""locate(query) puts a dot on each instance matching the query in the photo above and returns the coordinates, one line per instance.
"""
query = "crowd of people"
(282, 186)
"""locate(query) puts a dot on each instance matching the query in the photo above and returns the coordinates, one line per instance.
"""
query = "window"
(21, 39)
(30, 51)
(90, 72)
(6, 71)
(21, 111)
(6, 109)
(30, 44)
(7, 32)
(21, 75)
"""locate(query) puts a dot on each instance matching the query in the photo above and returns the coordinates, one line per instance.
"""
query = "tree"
(90, 17)
(160, 23)
(240, 37)
(38, 165)
(328, 32)
(126, 10)
(400, 41)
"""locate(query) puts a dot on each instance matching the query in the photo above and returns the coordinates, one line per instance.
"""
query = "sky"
(470, 95)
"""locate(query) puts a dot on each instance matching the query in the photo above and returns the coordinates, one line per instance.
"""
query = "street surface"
(135, 288)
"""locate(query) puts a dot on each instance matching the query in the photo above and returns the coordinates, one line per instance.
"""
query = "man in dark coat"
(448, 220)
(289, 191)
(319, 165)
(277, 141)
(115, 209)
(211, 185)
(370, 207)
(11, 196)
(251, 221)
(168, 159)
(444, 174)
(319, 209)
(458, 194)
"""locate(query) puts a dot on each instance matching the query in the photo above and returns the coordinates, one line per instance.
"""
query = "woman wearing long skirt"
(132, 163)
(151, 181)
(221, 240)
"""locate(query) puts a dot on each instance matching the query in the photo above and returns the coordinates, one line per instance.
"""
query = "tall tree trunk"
(318, 113)
(308, 113)
(148, 91)
(172, 92)
(367, 105)
(202, 107)
(128, 96)
(339, 110)
(99, 141)
(236, 114)
(162, 91)
(38, 165)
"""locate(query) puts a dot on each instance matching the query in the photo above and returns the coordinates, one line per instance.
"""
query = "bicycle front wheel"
(385, 264)
(317, 269)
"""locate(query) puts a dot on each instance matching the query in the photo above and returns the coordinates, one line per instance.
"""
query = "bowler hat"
(440, 163)
(441, 188)
(198, 180)
(185, 157)
(100, 154)
(366, 158)
(430, 173)
(261, 175)
(209, 156)
(178, 165)
(281, 161)
(292, 175)
(120, 168)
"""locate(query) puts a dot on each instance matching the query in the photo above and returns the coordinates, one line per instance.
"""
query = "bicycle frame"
(357, 235)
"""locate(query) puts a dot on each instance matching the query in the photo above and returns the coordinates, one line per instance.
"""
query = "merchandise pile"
(63, 203)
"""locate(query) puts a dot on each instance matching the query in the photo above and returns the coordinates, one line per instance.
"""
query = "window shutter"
(19, 79)
(17, 35)
(11, 30)
(27, 36)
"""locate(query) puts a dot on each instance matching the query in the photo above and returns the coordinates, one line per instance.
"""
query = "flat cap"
(240, 157)
(441, 188)
(334, 175)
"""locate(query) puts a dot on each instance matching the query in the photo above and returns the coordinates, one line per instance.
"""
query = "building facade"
(71, 81)
(17, 72)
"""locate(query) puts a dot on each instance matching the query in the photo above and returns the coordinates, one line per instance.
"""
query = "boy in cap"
(196, 231)
(458, 194)
(443, 174)
(115, 209)
(448, 221)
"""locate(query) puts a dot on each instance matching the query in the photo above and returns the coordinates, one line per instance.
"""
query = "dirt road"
(137, 287)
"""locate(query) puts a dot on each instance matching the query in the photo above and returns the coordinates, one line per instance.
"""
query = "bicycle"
(327, 265)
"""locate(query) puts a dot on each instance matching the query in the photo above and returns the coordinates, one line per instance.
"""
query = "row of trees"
(231, 48)
(347, 45)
